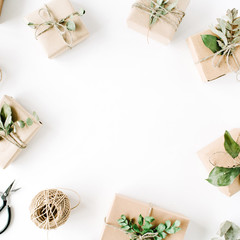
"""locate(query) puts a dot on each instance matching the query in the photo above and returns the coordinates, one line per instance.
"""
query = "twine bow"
(133, 236)
(51, 22)
(227, 51)
(159, 14)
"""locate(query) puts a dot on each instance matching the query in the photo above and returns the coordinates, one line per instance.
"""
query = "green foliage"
(221, 176)
(160, 8)
(226, 32)
(229, 231)
(6, 122)
(145, 227)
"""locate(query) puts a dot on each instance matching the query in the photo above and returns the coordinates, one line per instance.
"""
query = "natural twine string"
(51, 208)
(235, 162)
(138, 237)
(227, 51)
(51, 22)
(178, 14)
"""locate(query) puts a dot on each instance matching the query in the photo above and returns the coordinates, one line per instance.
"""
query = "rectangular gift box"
(206, 69)
(51, 40)
(132, 208)
(161, 30)
(216, 147)
(8, 151)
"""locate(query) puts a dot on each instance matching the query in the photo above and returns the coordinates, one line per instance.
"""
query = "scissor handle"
(8, 221)
(4, 204)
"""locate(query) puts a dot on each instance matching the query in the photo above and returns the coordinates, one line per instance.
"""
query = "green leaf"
(5, 112)
(177, 223)
(136, 228)
(81, 12)
(1, 125)
(168, 224)
(21, 123)
(29, 122)
(147, 226)
(125, 228)
(220, 176)
(36, 116)
(161, 227)
(171, 6)
(71, 26)
(140, 220)
(123, 217)
(210, 42)
(8, 121)
(164, 235)
(149, 219)
(231, 147)
(170, 230)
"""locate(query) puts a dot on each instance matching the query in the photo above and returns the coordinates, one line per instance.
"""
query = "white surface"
(120, 115)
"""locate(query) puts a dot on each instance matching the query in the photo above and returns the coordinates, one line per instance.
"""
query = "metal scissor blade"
(6, 193)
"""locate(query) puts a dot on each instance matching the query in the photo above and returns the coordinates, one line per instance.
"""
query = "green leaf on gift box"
(5, 112)
(177, 223)
(231, 147)
(147, 226)
(220, 176)
(171, 6)
(210, 42)
(161, 227)
(36, 116)
(140, 220)
(8, 121)
(21, 123)
(29, 122)
(81, 12)
(168, 224)
(149, 219)
(71, 26)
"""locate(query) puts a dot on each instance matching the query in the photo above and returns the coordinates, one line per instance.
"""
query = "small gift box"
(216, 52)
(157, 19)
(124, 207)
(17, 128)
(58, 27)
(215, 155)
(1, 5)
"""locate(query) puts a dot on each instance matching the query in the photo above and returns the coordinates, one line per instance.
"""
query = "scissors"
(4, 197)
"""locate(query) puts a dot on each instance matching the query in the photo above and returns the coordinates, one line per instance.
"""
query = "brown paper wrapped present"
(1, 5)
(165, 27)
(9, 151)
(207, 70)
(207, 153)
(132, 208)
(52, 40)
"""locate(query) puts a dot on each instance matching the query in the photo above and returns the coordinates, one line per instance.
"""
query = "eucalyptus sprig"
(160, 8)
(9, 127)
(221, 176)
(67, 21)
(228, 231)
(227, 32)
(146, 230)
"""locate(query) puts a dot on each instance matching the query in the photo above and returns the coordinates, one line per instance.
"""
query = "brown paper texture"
(1, 5)
(8, 151)
(161, 30)
(132, 208)
(199, 51)
(218, 146)
(51, 40)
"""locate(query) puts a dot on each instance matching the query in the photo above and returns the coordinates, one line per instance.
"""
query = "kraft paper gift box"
(8, 151)
(52, 40)
(207, 70)
(161, 30)
(215, 147)
(132, 209)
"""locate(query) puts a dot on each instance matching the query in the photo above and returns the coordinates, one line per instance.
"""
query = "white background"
(120, 115)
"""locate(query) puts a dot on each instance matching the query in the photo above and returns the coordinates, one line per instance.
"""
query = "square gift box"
(52, 40)
(132, 208)
(207, 70)
(162, 30)
(218, 147)
(8, 151)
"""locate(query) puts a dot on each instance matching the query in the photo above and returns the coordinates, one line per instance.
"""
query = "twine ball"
(50, 209)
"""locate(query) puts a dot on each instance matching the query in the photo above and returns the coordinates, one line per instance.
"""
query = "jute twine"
(51, 208)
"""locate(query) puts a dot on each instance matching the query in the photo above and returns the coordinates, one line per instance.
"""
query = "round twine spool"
(50, 209)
